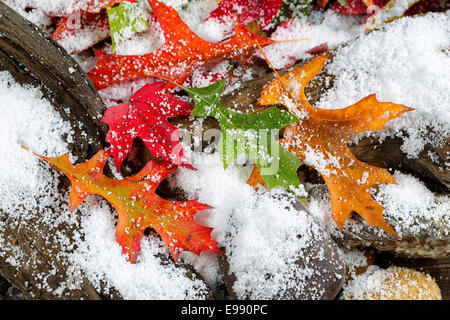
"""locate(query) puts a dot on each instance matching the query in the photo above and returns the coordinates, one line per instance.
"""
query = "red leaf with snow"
(76, 34)
(355, 7)
(145, 116)
(247, 11)
(321, 48)
(183, 51)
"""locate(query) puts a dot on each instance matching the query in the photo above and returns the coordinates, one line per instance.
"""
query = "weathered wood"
(33, 58)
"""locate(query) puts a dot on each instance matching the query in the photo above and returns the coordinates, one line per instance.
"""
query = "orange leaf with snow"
(320, 139)
(183, 51)
(138, 206)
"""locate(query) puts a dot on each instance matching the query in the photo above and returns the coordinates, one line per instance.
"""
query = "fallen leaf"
(77, 36)
(138, 206)
(250, 134)
(145, 116)
(319, 49)
(391, 10)
(182, 52)
(125, 20)
(247, 11)
(320, 140)
(356, 7)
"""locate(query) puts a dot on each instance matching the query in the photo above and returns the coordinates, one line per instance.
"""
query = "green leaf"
(125, 20)
(343, 2)
(250, 134)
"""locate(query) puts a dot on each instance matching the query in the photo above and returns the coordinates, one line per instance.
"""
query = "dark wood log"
(33, 58)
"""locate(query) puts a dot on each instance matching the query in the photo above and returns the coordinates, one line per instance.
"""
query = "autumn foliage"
(138, 206)
(183, 51)
(320, 139)
(145, 116)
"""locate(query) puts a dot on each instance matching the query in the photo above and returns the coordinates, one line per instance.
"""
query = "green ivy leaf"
(250, 134)
(125, 20)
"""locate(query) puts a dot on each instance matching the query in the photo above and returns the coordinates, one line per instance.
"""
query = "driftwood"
(32, 57)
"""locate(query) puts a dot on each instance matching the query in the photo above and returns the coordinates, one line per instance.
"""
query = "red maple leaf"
(138, 206)
(247, 11)
(145, 116)
(182, 52)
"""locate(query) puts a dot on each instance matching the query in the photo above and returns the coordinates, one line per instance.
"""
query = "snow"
(27, 120)
(195, 12)
(28, 188)
(406, 62)
(153, 276)
(393, 283)
(57, 8)
(411, 205)
(35, 15)
(263, 233)
(328, 27)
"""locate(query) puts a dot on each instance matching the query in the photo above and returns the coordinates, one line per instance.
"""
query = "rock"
(306, 266)
(394, 283)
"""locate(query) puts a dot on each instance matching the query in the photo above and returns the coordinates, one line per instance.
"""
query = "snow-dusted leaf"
(320, 140)
(251, 134)
(247, 11)
(138, 206)
(127, 19)
(145, 116)
(89, 30)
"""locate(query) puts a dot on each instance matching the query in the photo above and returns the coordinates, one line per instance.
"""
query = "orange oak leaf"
(320, 139)
(183, 51)
(138, 206)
